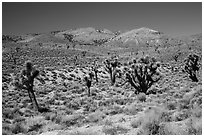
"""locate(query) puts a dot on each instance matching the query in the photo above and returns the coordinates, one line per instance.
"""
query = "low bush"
(136, 122)
(18, 128)
(133, 108)
(141, 97)
(171, 105)
(114, 130)
(70, 120)
(95, 116)
(152, 120)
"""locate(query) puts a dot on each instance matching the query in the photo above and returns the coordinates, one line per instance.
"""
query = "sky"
(172, 18)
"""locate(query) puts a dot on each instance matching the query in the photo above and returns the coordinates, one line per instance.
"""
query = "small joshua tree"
(14, 55)
(83, 53)
(88, 80)
(143, 74)
(28, 74)
(176, 56)
(110, 67)
(67, 46)
(192, 66)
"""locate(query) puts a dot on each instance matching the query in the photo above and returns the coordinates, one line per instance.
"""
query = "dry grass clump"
(115, 109)
(51, 126)
(171, 105)
(70, 120)
(141, 97)
(136, 122)
(16, 128)
(151, 121)
(35, 124)
(191, 98)
(114, 130)
(95, 116)
(180, 115)
(6, 129)
(85, 132)
(190, 126)
(133, 108)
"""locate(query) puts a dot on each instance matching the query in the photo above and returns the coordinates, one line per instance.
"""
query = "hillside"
(170, 106)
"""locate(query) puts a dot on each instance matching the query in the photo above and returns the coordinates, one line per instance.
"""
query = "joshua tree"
(69, 37)
(28, 74)
(15, 55)
(111, 68)
(67, 46)
(83, 53)
(95, 69)
(88, 80)
(75, 60)
(143, 74)
(191, 66)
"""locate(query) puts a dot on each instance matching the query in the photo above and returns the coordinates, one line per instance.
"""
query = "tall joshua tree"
(28, 74)
(192, 66)
(143, 74)
(111, 67)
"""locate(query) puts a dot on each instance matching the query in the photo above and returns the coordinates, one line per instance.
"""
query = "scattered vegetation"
(74, 83)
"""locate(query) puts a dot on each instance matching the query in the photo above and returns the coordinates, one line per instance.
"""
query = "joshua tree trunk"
(96, 76)
(31, 91)
(89, 93)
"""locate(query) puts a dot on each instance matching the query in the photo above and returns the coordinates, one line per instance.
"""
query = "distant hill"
(89, 36)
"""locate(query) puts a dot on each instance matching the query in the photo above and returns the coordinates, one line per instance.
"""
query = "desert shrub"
(195, 126)
(6, 129)
(115, 109)
(108, 122)
(191, 98)
(85, 132)
(133, 108)
(152, 120)
(35, 124)
(173, 128)
(191, 126)
(171, 105)
(7, 113)
(136, 122)
(196, 111)
(95, 116)
(141, 97)
(70, 120)
(18, 128)
(180, 115)
(74, 104)
(114, 130)
(51, 126)
(18, 119)
(50, 116)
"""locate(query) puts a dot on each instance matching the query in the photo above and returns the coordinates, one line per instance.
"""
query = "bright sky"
(171, 18)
